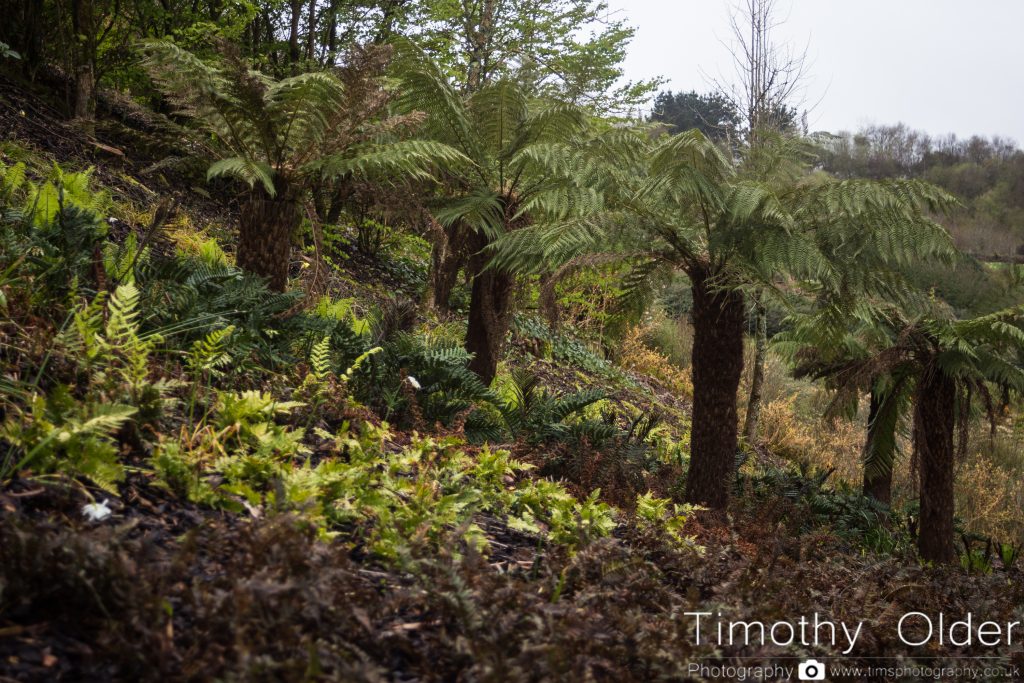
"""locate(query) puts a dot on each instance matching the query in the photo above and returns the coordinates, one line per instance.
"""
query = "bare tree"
(769, 81)
(767, 89)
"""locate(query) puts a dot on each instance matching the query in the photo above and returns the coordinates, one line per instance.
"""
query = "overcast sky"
(938, 65)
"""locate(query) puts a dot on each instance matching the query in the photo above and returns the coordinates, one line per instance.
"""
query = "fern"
(12, 180)
(57, 250)
(531, 412)
(116, 355)
(287, 134)
(211, 353)
(62, 435)
(320, 359)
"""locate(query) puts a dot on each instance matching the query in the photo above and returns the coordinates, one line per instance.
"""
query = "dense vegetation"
(375, 341)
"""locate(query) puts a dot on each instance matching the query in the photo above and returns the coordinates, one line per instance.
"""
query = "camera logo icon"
(811, 670)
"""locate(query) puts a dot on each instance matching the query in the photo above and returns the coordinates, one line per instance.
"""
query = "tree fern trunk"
(757, 376)
(445, 262)
(265, 238)
(718, 318)
(878, 487)
(548, 300)
(934, 421)
(490, 312)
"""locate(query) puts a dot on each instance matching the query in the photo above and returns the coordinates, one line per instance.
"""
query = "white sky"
(937, 65)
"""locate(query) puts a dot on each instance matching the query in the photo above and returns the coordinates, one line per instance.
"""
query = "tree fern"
(285, 138)
(527, 161)
(284, 132)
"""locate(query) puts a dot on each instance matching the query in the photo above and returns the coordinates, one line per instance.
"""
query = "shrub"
(638, 357)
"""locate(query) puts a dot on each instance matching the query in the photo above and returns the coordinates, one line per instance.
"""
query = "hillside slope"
(201, 479)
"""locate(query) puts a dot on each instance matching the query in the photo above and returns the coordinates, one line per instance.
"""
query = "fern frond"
(247, 170)
(417, 159)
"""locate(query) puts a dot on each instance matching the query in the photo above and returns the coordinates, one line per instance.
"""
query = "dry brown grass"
(990, 486)
(638, 357)
(825, 445)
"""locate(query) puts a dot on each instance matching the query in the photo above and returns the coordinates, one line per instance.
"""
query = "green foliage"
(529, 411)
(281, 135)
(56, 233)
(562, 347)
(573, 49)
(246, 423)
(63, 435)
(981, 554)
(439, 365)
(184, 298)
(40, 202)
(7, 53)
(603, 455)
(525, 152)
(1008, 554)
(663, 514)
(850, 515)
(211, 354)
(12, 179)
(321, 386)
(984, 173)
(342, 310)
(115, 356)
(62, 188)
(681, 203)
(713, 114)
(396, 500)
(544, 506)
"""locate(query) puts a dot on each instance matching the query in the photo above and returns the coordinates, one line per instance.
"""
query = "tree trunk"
(757, 376)
(934, 422)
(265, 238)
(878, 487)
(447, 256)
(31, 44)
(490, 311)
(85, 93)
(548, 300)
(445, 273)
(332, 35)
(84, 54)
(479, 35)
(718, 319)
(293, 36)
(311, 31)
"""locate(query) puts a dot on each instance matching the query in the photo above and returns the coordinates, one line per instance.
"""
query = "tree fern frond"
(412, 158)
(881, 447)
(247, 170)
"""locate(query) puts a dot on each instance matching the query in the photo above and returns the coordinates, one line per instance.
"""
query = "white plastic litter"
(96, 512)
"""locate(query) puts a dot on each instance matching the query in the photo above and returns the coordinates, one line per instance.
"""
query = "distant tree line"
(985, 174)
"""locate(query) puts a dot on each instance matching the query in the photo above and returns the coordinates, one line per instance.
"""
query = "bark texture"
(757, 376)
(718, 322)
(84, 52)
(548, 300)
(85, 93)
(265, 238)
(446, 259)
(934, 422)
(490, 312)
